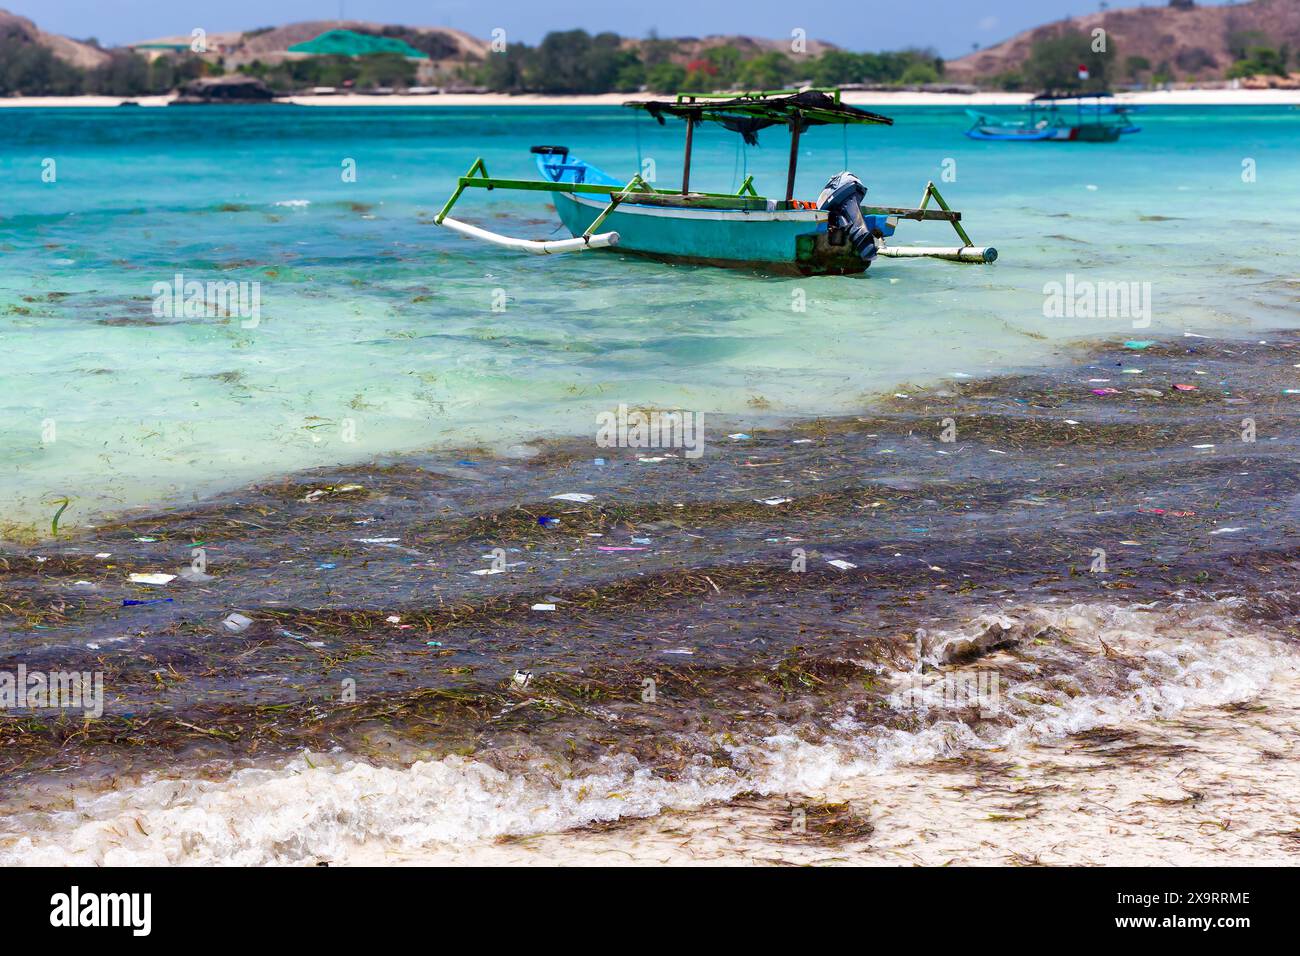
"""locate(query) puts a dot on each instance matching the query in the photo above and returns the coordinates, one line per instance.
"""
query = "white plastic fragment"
(153, 578)
(577, 496)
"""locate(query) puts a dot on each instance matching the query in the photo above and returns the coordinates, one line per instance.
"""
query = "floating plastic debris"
(237, 622)
(332, 490)
(578, 496)
(152, 578)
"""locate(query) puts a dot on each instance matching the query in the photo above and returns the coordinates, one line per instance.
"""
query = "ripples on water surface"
(372, 314)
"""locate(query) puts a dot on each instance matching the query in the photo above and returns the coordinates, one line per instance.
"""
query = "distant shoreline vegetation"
(576, 62)
(570, 61)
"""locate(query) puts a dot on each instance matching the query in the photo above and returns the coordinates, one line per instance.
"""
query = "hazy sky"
(950, 26)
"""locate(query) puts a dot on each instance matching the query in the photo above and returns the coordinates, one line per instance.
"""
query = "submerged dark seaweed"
(1042, 472)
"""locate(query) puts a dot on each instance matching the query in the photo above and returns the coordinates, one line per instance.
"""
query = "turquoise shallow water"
(378, 333)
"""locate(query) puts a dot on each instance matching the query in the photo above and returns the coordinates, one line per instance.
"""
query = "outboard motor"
(841, 198)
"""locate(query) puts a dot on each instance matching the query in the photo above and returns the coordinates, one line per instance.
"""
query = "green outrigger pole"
(733, 229)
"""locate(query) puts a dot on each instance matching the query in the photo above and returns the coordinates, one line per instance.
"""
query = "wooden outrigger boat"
(1097, 122)
(839, 234)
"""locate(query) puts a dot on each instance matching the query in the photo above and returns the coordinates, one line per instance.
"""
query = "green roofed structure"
(350, 43)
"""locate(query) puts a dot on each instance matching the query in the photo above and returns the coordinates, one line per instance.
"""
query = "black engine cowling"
(842, 198)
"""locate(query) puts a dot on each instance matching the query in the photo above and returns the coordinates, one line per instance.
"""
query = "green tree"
(605, 60)
(920, 72)
(1135, 65)
(1054, 62)
(835, 67)
(630, 78)
(507, 70)
(30, 69)
(1011, 81)
(665, 78)
(1262, 60)
(767, 71)
(726, 62)
(559, 66)
(125, 74)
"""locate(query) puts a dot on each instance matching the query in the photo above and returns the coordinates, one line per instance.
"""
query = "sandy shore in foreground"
(1211, 786)
(1205, 97)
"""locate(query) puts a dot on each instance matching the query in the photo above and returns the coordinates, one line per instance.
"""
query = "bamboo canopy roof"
(747, 113)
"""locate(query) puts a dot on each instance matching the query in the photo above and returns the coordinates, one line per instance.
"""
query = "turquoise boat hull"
(779, 241)
(787, 241)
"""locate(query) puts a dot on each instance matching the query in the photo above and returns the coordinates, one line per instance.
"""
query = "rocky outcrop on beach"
(224, 89)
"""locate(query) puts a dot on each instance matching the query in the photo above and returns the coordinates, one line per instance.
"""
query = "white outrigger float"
(836, 235)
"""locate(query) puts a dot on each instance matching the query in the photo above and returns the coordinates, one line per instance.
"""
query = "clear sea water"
(380, 328)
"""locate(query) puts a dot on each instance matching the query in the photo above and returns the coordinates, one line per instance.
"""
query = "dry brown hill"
(1194, 43)
(71, 51)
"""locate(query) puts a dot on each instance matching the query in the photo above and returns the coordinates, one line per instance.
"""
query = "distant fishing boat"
(1050, 120)
(835, 235)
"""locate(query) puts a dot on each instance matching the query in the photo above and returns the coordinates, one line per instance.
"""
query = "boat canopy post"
(686, 164)
(795, 126)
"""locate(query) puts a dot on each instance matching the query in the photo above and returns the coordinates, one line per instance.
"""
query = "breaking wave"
(1158, 661)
